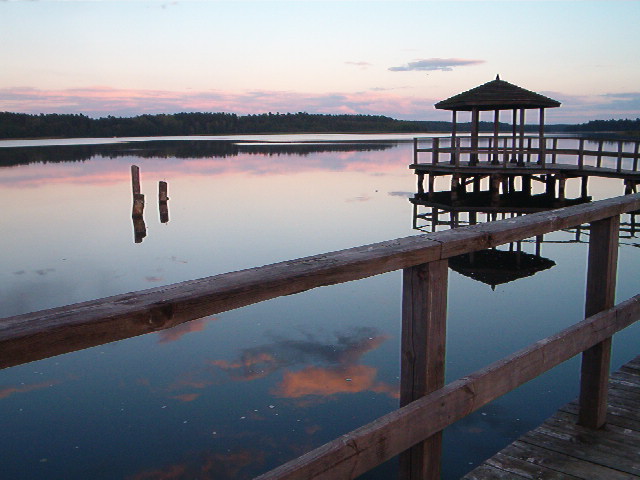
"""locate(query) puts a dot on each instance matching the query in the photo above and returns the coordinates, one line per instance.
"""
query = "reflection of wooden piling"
(139, 229)
(163, 198)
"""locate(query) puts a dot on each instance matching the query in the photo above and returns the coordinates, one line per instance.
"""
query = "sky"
(394, 58)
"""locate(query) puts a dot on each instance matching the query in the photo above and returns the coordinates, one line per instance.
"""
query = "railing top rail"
(46, 333)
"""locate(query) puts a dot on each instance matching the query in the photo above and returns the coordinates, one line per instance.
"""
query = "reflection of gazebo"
(495, 267)
(496, 95)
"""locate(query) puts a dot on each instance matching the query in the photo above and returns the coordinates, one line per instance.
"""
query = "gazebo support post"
(541, 143)
(454, 132)
(475, 121)
(496, 123)
(514, 133)
(521, 143)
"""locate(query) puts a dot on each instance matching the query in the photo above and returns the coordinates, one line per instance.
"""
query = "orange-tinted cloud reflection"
(207, 466)
(8, 391)
(333, 366)
(330, 381)
(176, 333)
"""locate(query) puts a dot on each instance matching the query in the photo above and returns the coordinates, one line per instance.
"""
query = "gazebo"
(495, 96)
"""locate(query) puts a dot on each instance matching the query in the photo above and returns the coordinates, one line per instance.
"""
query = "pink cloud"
(102, 101)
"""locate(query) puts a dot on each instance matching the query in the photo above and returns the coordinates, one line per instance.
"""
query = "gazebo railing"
(508, 149)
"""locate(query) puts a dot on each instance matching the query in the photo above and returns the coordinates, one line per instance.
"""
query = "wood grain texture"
(601, 290)
(424, 317)
(561, 449)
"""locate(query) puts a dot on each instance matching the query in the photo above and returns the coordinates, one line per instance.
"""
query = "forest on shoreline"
(22, 125)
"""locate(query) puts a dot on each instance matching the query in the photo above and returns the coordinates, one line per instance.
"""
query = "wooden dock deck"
(561, 449)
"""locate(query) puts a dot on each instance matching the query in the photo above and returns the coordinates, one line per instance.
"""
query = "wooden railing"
(427, 405)
(508, 149)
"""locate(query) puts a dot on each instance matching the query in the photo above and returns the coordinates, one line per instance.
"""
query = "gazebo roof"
(496, 95)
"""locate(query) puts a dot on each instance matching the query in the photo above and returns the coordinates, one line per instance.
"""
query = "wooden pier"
(506, 164)
(561, 449)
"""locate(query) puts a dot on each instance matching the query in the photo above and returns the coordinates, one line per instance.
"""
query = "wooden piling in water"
(138, 198)
(163, 199)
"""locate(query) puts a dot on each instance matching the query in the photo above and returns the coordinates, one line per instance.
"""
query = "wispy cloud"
(431, 64)
(359, 64)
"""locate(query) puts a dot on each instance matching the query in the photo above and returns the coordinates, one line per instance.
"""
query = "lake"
(236, 394)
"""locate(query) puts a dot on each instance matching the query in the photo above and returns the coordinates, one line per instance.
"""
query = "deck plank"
(560, 449)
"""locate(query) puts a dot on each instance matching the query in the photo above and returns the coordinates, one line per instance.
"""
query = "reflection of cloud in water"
(330, 381)
(401, 194)
(176, 333)
(343, 374)
(207, 465)
(187, 397)
(6, 392)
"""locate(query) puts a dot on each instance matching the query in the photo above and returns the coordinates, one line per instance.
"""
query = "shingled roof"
(496, 95)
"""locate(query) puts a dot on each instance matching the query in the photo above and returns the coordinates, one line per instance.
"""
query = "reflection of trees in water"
(174, 149)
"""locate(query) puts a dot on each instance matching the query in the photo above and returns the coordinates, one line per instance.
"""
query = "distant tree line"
(22, 125)
(626, 125)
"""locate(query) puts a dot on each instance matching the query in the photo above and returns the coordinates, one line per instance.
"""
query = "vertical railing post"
(601, 288)
(435, 151)
(424, 314)
(581, 154)
(415, 151)
(619, 162)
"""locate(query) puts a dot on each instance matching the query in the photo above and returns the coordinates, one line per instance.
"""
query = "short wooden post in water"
(424, 314)
(601, 288)
(138, 198)
(163, 198)
(135, 179)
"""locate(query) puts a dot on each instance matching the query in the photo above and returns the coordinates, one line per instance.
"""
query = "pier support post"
(562, 180)
(424, 313)
(526, 185)
(601, 288)
(584, 187)
(420, 183)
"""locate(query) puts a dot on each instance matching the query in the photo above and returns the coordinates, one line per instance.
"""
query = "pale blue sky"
(123, 58)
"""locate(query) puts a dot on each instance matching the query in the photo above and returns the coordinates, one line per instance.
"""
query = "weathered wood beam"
(601, 291)
(424, 317)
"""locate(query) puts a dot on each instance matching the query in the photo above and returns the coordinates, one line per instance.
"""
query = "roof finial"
(498, 77)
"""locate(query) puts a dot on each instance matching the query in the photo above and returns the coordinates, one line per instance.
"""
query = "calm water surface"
(234, 395)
